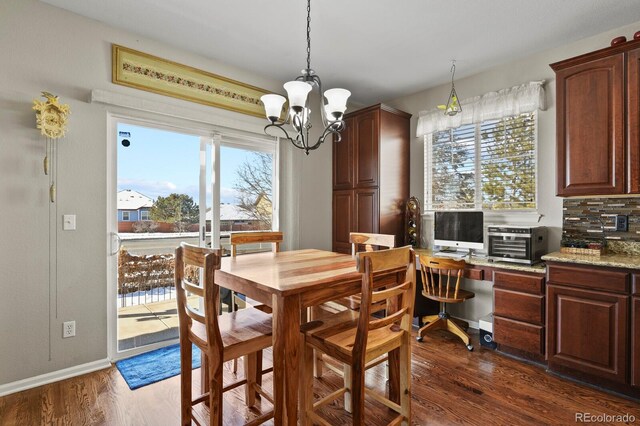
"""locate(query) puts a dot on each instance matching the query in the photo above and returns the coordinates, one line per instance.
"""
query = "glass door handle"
(115, 237)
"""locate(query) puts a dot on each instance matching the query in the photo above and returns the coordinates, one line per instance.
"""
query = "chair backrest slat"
(399, 262)
(378, 296)
(196, 315)
(389, 319)
(369, 241)
(443, 269)
(193, 288)
(240, 238)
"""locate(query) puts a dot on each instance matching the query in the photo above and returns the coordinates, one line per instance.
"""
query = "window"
(144, 215)
(125, 217)
(486, 166)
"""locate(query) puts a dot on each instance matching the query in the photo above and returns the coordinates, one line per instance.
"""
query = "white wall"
(534, 67)
(46, 48)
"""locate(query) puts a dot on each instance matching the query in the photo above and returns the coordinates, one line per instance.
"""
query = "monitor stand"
(449, 251)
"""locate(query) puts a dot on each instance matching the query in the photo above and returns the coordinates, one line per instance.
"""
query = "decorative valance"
(516, 100)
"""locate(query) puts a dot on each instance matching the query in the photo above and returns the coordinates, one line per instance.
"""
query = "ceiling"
(378, 49)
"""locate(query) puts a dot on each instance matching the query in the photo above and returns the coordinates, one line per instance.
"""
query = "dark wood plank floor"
(450, 386)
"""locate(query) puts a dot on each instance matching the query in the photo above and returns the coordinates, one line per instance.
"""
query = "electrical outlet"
(68, 329)
(622, 223)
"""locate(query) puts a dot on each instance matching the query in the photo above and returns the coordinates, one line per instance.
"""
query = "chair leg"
(215, 394)
(405, 378)
(348, 377)
(306, 388)
(357, 393)
(458, 331)
(235, 366)
(185, 383)
(438, 324)
(463, 324)
(250, 373)
(429, 318)
(314, 313)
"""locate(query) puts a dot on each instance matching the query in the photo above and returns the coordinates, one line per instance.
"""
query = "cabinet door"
(587, 332)
(635, 349)
(366, 212)
(343, 163)
(633, 120)
(366, 149)
(590, 127)
(342, 220)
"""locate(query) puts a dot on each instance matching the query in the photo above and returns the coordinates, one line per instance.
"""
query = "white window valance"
(516, 100)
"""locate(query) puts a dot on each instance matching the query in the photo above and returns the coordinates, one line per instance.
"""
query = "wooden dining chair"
(220, 338)
(441, 282)
(254, 237)
(359, 242)
(355, 338)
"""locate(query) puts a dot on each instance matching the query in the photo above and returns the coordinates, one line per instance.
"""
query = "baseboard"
(54, 376)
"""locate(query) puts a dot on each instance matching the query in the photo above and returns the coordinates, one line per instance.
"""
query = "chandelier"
(299, 112)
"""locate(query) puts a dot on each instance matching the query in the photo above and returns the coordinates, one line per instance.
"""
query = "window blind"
(490, 165)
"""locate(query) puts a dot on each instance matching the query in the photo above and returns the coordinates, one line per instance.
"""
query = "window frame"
(128, 218)
(144, 213)
(478, 199)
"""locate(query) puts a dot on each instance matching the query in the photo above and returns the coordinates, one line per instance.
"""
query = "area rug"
(151, 367)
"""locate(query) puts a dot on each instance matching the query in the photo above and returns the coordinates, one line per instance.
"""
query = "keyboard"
(451, 255)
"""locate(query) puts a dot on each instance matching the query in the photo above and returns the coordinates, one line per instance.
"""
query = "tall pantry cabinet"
(371, 175)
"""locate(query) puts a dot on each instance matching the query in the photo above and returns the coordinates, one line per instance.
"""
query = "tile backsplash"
(584, 218)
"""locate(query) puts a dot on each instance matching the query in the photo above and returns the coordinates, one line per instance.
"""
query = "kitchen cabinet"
(371, 175)
(589, 322)
(519, 313)
(597, 141)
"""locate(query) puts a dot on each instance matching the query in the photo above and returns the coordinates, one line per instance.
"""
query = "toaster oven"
(518, 244)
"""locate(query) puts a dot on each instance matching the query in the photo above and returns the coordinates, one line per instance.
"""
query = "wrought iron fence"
(145, 279)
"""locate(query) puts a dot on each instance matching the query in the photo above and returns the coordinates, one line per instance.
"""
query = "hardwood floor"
(450, 386)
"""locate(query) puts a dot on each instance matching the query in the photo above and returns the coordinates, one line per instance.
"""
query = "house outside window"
(484, 158)
(126, 216)
(144, 215)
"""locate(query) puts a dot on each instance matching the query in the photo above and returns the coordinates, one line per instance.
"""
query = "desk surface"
(539, 268)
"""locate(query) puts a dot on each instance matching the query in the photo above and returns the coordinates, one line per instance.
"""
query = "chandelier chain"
(453, 71)
(308, 34)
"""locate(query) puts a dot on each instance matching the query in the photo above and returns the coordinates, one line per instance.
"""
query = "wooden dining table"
(290, 282)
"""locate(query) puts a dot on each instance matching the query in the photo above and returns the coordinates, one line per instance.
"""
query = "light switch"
(69, 222)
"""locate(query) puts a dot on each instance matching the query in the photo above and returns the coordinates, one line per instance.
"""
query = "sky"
(159, 162)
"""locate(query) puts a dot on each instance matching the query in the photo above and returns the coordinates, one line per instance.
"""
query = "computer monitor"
(459, 229)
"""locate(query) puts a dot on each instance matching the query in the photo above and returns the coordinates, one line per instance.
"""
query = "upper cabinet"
(371, 174)
(598, 147)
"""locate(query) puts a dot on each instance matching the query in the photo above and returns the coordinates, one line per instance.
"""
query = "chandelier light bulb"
(297, 92)
(337, 101)
(273, 106)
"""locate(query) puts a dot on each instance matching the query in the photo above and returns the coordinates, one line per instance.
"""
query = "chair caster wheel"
(419, 338)
(470, 347)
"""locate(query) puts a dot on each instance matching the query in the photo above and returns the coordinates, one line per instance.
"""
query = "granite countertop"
(614, 260)
(539, 268)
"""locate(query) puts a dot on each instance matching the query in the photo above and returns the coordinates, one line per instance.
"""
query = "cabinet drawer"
(593, 278)
(474, 274)
(519, 282)
(519, 306)
(519, 335)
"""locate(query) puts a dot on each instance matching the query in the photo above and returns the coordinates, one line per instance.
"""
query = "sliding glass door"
(175, 184)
